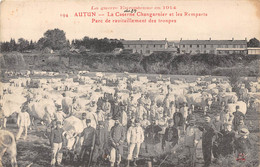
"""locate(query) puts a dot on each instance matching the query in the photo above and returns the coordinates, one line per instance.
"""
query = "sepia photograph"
(141, 83)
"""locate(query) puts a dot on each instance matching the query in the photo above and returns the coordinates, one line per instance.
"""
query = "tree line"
(56, 40)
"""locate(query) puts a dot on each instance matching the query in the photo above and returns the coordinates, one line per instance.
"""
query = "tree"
(253, 43)
(23, 44)
(54, 39)
(12, 45)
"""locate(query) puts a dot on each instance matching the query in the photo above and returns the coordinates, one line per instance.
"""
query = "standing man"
(225, 117)
(152, 139)
(135, 137)
(89, 137)
(192, 137)
(116, 139)
(238, 115)
(100, 115)
(101, 142)
(83, 119)
(207, 136)
(116, 110)
(106, 106)
(171, 136)
(218, 127)
(23, 121)
(59, 115)
(242, 145)
(226, 146)
(93, 117)
(56, 144)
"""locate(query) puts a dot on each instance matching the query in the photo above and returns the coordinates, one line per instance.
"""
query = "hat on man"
(192, 120)
(115, 118)
(101, 122)
(217, 115)
(137, 120)
(58, 107)
(244, 132)
(207, 118)
(88, 120)
(109, 115)
(227, 123)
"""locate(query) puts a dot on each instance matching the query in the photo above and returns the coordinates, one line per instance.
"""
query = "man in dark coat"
(89, 136)
(116, 110)
(238, 115)
(152, 139)
(101, 142)
(116, 140)
(208, 133)
(226, 146)
(178, 119)
(242, 145)
(170, 137)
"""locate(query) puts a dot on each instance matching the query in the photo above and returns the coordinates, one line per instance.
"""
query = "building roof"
(253, 48)
(232, 49)
(213, 42)
(144, 42)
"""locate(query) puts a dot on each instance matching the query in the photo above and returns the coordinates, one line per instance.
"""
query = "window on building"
(219, 52)
(241, 46)
(154, 46)
(190, 46)
(211, 46)
(198, 46)
(226, 46)
(205, 46)
(161, 46)
(211, 51)
(147, 51)
(219, 46)
(147, 46)
(234, 46)
(141, 51)
(226, 52)
(128, 45)
(197, 51)
(183, 46)
(141, 45)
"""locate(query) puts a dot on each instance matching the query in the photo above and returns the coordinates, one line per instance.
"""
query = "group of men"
(115, 125)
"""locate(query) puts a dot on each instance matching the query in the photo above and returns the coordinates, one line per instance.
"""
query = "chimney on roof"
(139, 39)
(246, 38)
(232, 39)
(181, 38)
(210, 38)
(165, 39)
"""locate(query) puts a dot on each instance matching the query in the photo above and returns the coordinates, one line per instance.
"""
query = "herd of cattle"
(44, 90)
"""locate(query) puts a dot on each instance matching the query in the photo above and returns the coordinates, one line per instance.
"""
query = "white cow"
(8, 144)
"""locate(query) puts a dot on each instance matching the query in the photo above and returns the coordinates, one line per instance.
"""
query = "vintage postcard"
(147, 83)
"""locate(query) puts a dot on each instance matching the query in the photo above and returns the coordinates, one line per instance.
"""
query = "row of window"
(147, 46)
(219, 52)
(218, 46)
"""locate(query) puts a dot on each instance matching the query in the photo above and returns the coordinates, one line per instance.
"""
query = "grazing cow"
(7, 144)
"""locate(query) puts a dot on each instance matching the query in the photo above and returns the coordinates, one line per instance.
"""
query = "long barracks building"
(218, 47)
(213, 46)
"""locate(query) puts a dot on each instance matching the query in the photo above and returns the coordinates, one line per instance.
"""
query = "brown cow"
(7, 144)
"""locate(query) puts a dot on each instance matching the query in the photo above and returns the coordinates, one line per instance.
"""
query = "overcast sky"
(226, 19)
